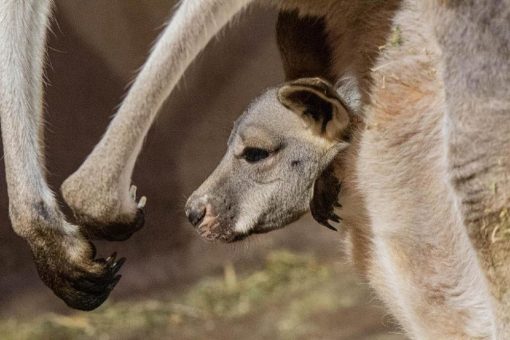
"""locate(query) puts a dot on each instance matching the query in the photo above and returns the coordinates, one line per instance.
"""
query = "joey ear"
(317, 102)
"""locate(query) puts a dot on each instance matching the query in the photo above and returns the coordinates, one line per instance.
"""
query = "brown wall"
(95, 48)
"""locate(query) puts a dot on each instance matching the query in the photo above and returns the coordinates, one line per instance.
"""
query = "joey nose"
(195, 213)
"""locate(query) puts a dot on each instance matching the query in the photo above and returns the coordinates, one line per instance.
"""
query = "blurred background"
(289, 284)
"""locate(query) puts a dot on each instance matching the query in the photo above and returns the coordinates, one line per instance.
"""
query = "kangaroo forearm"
(192, 27)
(21, 67)
(99, 191)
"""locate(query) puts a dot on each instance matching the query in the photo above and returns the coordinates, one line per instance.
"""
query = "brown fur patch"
(303, 46)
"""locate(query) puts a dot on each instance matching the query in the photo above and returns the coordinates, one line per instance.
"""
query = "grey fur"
(242, 198)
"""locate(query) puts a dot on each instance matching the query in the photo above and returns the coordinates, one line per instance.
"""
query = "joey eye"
(253, 155)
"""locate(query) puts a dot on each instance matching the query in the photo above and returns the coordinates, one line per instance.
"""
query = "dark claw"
(90, 286)
(82, 281)
(116, 280)
(335, 218)
(89, 291)
(117, 265)
(108, 261)
(95, 284)
(329, 226)
(111, 259)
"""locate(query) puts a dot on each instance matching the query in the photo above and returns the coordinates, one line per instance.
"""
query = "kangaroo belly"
(421, 257)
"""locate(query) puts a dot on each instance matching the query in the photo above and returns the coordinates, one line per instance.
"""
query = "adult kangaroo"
(422, 197)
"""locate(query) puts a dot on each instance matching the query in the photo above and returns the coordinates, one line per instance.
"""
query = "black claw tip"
(335, 218)
(329, 226)
(117, 265)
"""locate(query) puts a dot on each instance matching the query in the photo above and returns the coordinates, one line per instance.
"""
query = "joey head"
(276, 163)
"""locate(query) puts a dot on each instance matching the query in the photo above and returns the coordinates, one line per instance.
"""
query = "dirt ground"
(95, 48)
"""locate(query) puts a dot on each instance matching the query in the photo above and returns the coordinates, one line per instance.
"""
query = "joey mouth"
(223, 224)
(211, 229)
(214, 231)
